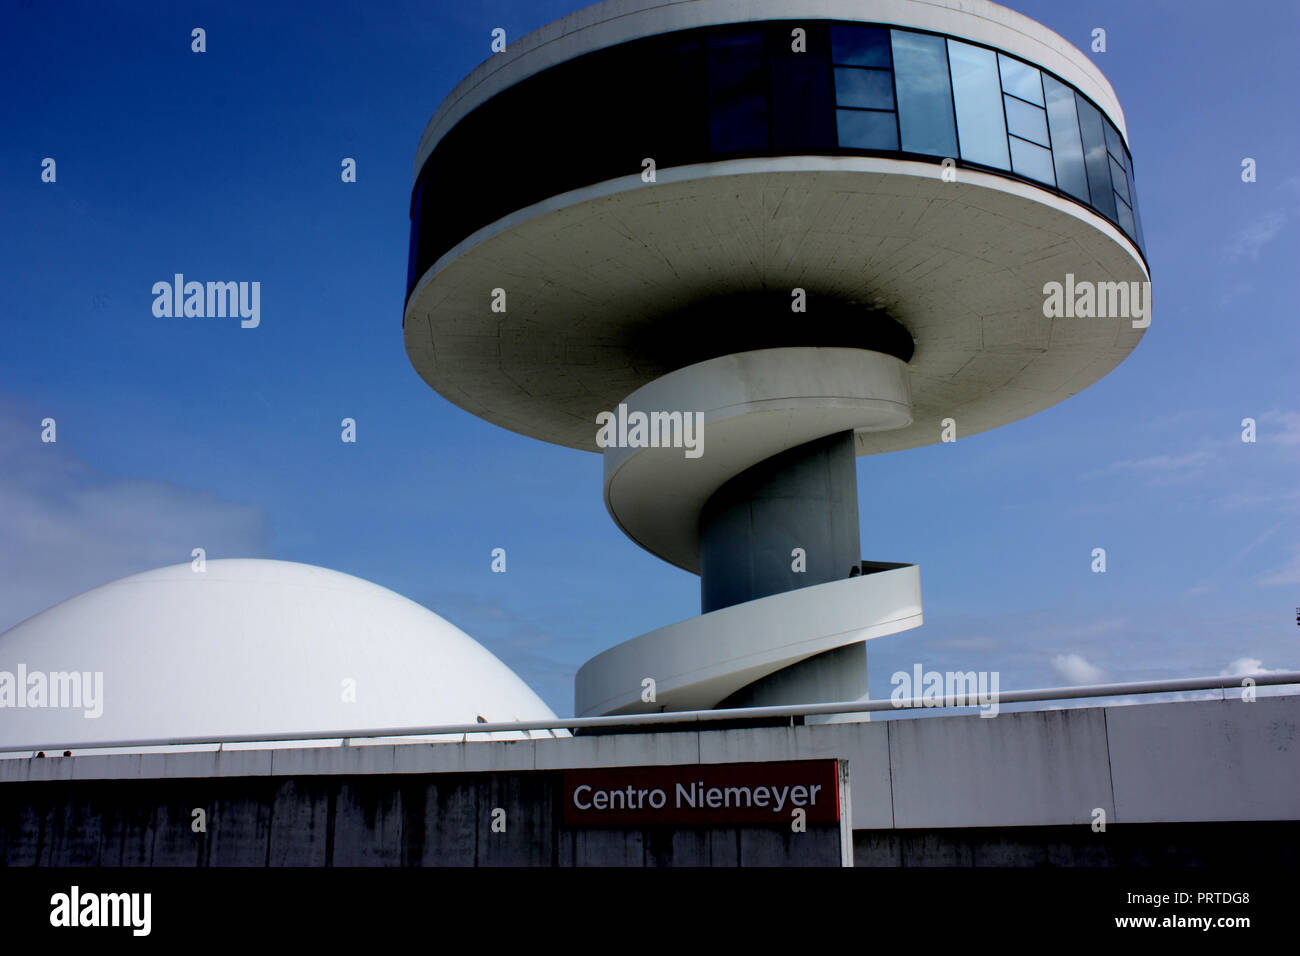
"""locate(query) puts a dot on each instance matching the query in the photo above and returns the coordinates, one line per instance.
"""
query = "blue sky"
(225, 165)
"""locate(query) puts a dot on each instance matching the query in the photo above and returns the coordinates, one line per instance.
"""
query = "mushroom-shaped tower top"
(643, 186)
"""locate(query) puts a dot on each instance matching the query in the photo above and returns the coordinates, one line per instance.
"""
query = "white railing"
(649, 721)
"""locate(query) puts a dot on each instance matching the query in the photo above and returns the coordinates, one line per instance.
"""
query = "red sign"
(703, 794)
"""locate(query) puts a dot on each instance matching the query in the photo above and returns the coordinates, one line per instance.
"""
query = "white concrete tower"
(765, 238)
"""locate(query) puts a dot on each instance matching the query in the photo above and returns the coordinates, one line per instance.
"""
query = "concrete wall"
(946, 780)
(364, 820)
(1147, 763)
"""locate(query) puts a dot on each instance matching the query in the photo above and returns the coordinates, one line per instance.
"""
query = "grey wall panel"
(75, 833)
(301, 819)
(126, 834)
(239, 821)
(367, 828)
(1207, 760)
(527, 800)
(1016, 769)
(174, 842)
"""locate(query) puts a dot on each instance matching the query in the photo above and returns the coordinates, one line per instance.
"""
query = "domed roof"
(246, 647)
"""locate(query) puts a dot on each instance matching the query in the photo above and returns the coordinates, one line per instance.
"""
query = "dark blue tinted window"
(1095, 158)
(1067, 147)
(1114, 143)
(864, 89)
(1137, 213)
(673, 124)
(1020, 79)
(737, 91)
(859, 46)
(1120, 178)
(1125, 217)
(801, 94)
(416, 219)
(866, 129)
(925, 114)
(977, 92)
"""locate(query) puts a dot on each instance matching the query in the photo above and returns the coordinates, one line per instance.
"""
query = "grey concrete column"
(804, 498)
(835, 675)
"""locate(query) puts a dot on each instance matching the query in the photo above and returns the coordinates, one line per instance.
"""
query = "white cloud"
(1284, 428)
(1164, 464)
(65, 527)
(1283, 499)
(1247, 243)
(1254, 236)
(1076, 669)
(1246, 665)
(1216, 461)
(1132, 700)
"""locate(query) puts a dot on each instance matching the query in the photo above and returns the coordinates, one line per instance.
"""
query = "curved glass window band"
(745, 90)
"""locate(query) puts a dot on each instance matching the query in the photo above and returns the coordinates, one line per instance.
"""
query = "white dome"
(250, 647)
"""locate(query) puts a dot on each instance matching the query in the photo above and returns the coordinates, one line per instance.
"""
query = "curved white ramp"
(701, 661)
(753, 405)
